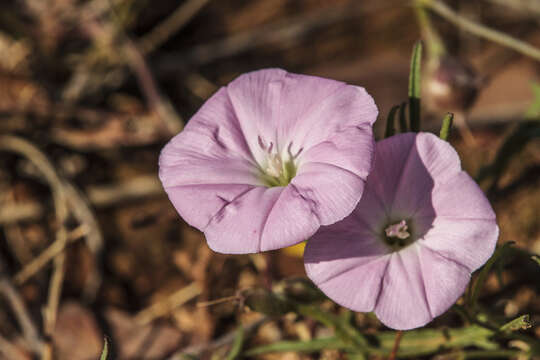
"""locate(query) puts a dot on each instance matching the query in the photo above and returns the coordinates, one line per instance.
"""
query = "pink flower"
(269, 158)
(408, 249)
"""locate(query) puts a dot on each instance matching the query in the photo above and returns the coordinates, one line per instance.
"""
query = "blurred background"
(90, 91)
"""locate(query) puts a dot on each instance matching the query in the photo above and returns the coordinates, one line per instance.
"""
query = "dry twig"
(164, 307)
(29, 329)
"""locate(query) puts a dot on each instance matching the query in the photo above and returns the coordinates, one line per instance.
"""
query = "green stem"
(482, 31)
(446, 126)
(435, 45)
(479, 284)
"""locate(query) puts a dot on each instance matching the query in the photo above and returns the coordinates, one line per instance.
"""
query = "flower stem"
(480, 30)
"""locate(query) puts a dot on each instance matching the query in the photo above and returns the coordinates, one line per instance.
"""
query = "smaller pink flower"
(270, 158)
(407, 251)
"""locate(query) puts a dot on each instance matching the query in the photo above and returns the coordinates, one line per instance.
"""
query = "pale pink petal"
(334, 108)
(402, 303)
(296, 110)
(262, 219)
(469, 242)
(291, 220)
(391, 157)
(350, 150)
(256, 98)
(347, 262)
(333, 191)
(430, 161)
(467, 202)
(237, 227)
(197, 204)
(210, 150)
(445, 280)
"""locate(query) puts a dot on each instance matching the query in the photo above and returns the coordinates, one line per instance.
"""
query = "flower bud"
(451, 85)
(266, 302)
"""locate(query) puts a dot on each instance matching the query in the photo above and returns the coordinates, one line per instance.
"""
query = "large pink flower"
(269, 158)
(408, 249)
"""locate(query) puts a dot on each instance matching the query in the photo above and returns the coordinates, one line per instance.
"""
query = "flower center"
(278, 170)
(398, 235)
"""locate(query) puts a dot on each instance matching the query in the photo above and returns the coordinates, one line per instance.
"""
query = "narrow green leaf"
(403, 128)
(237, 344)
(446, 126)
(482, 276)
(536, 259)
(309, 346)
(344, 330)
(521, 323)
(512, 145)
(390, 122)
(415, 87)
(105, 351)
(533, 112)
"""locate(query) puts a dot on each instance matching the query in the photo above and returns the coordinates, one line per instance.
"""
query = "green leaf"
(513, 144)
(446, 126)
(309, 346)
(482, 276)
(390, 122)
(534, 110)
(536, 259)
(415, 87)
(105, 351)
(237, 344)
(521, 323)
(344, 330)
(402, 118)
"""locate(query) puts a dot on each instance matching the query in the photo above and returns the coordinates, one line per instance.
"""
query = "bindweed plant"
(394, 228)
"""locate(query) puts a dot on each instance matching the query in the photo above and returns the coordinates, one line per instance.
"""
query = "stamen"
(261, 143)
(289, 151)
(277, 170)
(398, 230)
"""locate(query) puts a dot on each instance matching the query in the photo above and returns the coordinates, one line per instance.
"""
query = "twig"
(524, 7)
(395, 349)
(136, 62)
(50, 311)
(99, 196)
(482, 31)
(40, 161)
(29, 329)
(8, 350)
(224, 340)
(48, 254)
(176, 21)
(168, 304)
(280, 32)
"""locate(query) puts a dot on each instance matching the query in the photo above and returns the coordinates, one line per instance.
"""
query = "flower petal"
(301, 110)
(291, 220)
(350, 150)
(469, 202)
(237, 227)
(347, 263)
(468, 242)
(403, 302)
(256, 99)
(261, 219)
(198, 204)
(444, 279)
(210, 150)
(332, 107)
(333, 191)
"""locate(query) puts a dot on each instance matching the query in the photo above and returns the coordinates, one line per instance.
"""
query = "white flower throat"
(277, 171)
